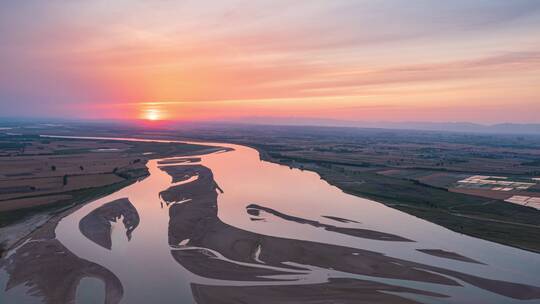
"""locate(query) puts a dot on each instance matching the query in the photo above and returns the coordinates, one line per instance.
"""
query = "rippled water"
(260, 200)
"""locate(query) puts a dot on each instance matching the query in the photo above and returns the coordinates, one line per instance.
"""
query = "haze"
(475, 61)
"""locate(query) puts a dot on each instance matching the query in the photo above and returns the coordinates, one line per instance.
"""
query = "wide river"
(298, 205)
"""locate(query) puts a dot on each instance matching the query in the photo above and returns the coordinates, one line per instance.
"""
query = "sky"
(409, 60)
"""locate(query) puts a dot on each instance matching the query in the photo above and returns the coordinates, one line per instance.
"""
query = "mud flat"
(448, 255)
(255, 210)
(96, 226)
(50, 272)
(336, 291)
(210, 248)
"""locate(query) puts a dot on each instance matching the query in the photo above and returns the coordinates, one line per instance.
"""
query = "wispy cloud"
(275, 56)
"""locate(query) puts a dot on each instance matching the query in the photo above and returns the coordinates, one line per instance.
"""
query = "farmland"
(43, 176)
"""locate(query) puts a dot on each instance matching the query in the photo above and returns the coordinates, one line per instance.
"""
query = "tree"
(64, 180)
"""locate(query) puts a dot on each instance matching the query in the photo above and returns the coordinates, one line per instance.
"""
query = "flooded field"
(227, 227)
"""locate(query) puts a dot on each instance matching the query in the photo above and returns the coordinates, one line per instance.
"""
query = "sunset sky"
(475, 61)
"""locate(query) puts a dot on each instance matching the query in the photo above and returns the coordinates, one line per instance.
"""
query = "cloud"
(59, 55)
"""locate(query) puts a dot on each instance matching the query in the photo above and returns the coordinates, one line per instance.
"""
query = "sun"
(152, 114)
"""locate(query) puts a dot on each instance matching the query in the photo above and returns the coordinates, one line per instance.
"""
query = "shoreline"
(60, 211)
(456, 225)
(24, 221)
(214, 250)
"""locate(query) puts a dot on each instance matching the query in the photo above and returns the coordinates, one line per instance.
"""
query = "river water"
(149, 273)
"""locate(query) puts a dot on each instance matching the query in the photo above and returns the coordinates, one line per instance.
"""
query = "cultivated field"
(42, 176)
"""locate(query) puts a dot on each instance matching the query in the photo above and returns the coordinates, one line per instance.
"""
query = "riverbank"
(240, 227)
(43, 176)
(487, 219)
(416, 172)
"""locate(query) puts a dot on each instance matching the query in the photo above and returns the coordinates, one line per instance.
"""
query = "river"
(277, 204)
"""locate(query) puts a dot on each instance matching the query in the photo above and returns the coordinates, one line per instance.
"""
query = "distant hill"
(467, 127)
(502, 128)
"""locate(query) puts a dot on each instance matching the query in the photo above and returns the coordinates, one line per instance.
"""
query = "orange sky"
(354, 60)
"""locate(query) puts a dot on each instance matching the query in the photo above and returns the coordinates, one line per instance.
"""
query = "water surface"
(265, 207)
